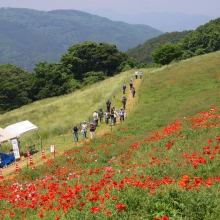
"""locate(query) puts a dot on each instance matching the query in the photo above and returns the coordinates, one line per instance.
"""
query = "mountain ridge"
(45, 36)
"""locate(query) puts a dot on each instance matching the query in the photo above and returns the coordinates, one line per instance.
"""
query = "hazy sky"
(205, 7)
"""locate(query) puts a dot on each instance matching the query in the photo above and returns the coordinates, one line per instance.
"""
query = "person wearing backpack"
(133, 91)
(124, 100)
(92, 130)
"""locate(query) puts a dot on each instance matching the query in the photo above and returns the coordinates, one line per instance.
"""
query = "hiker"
(107, 115)
(141, 74)
(131, 83)
(136, 74)
(96, 117)
(75, 133)
(100, 114)
(92, 130)
(133, 91)
(124, 88)
(122, 114)
(111, 116)
(115, 115)
(84, 130)
(123, 100)
(108, 105)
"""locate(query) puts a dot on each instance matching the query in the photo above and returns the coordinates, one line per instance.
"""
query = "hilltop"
(29, 36)
(162, 163)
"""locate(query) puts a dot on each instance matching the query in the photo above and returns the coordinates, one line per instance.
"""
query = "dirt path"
(9, 172)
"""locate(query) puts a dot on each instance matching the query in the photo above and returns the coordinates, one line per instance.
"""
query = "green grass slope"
(161, 163)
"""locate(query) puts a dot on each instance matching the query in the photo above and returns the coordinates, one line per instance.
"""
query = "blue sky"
(204, 7)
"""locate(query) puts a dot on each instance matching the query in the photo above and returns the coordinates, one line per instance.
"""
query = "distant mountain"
(29, 36)
(164, 21)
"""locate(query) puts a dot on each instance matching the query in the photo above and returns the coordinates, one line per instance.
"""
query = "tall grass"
(56, 116)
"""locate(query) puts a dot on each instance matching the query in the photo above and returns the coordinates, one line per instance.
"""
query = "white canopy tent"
(6, 135)
(21, 128)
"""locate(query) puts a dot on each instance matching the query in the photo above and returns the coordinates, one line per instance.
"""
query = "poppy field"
(151, 179)
(162, 163)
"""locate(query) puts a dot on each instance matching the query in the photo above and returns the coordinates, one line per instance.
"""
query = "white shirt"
(84, 126)
(136, 73)
(95, 115)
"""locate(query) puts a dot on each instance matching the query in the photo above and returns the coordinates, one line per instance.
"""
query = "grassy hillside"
(29, 36)
(161, 163)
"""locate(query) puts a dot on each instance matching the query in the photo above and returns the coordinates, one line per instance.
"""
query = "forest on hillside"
(84, 64)
(30, 36)
(180, 45)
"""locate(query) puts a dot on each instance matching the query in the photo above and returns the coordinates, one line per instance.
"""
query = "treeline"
(84, 64)
(142, 53)
(178, 46)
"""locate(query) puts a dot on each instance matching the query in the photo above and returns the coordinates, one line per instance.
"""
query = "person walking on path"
(133, 91)
(92, 130)
(123, 100)
(136, 74)
(122, 114)
(131, 83)
(100, 114)
(115, 115)
(107, 115)
(111, 117)
(108, 105)
(141, 74)
(96, 117)
(84, 130)
(75, 133)
(124, 88)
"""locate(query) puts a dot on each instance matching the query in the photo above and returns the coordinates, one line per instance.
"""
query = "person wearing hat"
(84, 130)
(96, 117)
(92, 130)
(100, 114)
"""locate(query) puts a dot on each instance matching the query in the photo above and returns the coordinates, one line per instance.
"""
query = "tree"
(91, 56)
(15, 86)
(51, 80)
(165, 54)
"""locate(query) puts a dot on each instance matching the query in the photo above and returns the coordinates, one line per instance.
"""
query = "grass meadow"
(162, 163)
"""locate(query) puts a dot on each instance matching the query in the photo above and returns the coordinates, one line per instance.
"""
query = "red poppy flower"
(95, 209)
(120, 207)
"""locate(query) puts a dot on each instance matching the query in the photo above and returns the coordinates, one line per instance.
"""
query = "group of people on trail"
(110, 115)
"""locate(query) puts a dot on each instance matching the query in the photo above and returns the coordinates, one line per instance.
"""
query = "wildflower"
(95, 209)
(108, 213)
(120, 207)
